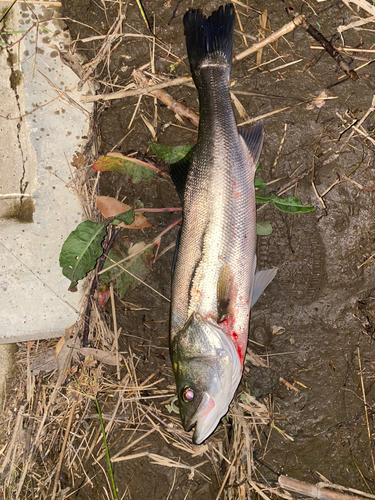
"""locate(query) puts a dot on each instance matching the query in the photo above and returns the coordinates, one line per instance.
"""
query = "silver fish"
(214, 283)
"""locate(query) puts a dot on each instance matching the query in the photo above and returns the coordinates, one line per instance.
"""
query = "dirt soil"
(314, 325)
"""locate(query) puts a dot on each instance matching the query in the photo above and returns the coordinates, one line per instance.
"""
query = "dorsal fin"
(253, 138)
(179, 171)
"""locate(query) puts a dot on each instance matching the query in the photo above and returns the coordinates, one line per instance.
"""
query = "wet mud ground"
(317, 317)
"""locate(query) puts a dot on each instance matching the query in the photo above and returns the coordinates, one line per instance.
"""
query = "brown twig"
(39, 2)
(330, 49)
(116, 330)
(177, 107)
(106, 47)
(366, 410)
(364, 188)
(100, 264)
(146, 90)
(43, 420)
(321, 491)
(158, 237)
(62, 451)
(167, 99)
(279, 150)
(9, 456)
(291, 26)
(226, 478)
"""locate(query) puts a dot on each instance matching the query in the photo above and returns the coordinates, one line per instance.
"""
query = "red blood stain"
(239, 353)
(198, 292)
(237, 195)
(235, 335)
(225, 322)
(234, 183)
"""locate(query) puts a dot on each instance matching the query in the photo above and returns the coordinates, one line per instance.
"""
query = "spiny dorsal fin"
(253, 138)
(179, 171)
(226, 292)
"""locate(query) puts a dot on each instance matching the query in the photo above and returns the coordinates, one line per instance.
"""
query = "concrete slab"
(42, 125)
(6, 364)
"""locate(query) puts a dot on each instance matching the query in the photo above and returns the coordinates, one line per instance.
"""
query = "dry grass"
(55, 428)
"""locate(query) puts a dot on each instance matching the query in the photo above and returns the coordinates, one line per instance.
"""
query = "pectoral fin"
(226, 292)
(261, 280)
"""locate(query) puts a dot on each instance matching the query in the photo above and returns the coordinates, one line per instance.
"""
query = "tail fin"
(209, 38)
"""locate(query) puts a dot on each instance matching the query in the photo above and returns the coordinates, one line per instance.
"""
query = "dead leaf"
(59, 345)
(102, 356)
(136, 248)
(110, 207)
(65, 349)
(254, 358)
(78, 160)
(103, 297)
(135, 170)
(68, 333)
(45, 362)
(318, 102)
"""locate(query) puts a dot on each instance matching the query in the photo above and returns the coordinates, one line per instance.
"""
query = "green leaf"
(140, 266)
(172, 407)
(292, 205)
(264, 228)
(170, 154)
(136, 170)
(288, 205)
(81, 250)
(126, 217)
(259, 167)
(259, 183)
(264, 198)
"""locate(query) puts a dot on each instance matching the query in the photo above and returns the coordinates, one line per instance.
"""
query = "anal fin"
(261, 280)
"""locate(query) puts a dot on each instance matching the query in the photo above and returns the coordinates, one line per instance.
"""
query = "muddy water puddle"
(314, 326)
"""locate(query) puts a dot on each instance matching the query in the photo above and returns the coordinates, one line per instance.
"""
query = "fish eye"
(187, 394)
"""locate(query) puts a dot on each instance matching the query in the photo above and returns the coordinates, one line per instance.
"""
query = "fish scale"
(214, 271)
(218, 162)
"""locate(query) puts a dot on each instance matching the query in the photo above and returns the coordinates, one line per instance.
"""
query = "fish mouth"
(189, 426)
(204, 420)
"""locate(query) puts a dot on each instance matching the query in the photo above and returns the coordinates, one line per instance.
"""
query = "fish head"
(207, 370)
